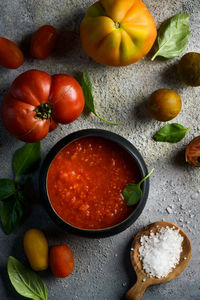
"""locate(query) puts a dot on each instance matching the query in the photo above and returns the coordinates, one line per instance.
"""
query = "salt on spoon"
(160, 252)
(143, 278)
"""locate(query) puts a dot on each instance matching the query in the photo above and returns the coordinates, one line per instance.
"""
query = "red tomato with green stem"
(61, 260)
(36, 102)
(43, 42)
(11, 57)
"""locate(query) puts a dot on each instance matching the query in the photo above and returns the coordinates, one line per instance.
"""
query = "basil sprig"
(171, 133)
(132, 193)
(25, 281)
(26, 159)
(173, 37)
(11, 212)
(89, 98)
(12, 192)
(7, 188)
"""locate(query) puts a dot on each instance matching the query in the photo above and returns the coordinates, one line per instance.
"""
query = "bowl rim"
(123, 143)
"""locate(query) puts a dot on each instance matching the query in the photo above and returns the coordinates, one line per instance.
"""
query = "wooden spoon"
(143, 281)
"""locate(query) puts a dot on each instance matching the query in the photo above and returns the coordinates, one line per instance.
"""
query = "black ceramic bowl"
(122, 142)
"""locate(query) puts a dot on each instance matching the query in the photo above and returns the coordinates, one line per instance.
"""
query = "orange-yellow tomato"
(118, 32)
(164, 105)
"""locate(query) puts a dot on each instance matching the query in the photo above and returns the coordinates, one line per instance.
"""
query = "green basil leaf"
(25, 281)
(132, 194)
(173, 37)
(11, 213)
(27, 158)
(171, 133)
(89, 98)
(88, 91)
(7, 188)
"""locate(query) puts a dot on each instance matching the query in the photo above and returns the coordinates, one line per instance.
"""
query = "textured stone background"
(102, 270)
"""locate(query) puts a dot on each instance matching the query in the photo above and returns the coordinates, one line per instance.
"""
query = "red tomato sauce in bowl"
(85, 181)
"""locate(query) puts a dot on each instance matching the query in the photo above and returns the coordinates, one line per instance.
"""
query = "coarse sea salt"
(160, 251)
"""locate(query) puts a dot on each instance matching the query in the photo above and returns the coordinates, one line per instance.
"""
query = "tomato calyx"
(117, 25)
(44, 111)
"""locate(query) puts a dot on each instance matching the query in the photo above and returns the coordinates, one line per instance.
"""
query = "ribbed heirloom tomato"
(192, 153)
(118, 32)
(36, 102)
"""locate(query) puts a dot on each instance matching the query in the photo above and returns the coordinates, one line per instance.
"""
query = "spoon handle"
(136, 292)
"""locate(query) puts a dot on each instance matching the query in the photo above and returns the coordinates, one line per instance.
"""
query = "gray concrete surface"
(102, 267)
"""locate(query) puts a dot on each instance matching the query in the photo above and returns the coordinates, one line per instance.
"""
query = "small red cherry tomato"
(11, 56)
(43, 42)
(61, 260)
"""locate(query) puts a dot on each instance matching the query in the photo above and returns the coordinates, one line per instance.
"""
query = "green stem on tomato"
(44, 111)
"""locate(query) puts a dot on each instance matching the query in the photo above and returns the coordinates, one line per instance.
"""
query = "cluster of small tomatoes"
(60, 258)
(37, 101)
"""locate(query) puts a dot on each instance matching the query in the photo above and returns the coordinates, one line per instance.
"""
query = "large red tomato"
(11, 56)
(36, 102)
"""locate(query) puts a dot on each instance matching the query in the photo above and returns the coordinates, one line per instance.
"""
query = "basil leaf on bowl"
(173, 37)
(7, 188)
(171, 133)
(25, 281)
(26, 159)
(132, 193)
(86, 85)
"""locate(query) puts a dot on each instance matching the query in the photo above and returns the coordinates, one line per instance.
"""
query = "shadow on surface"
(128, 267)
(4, 86)
(179, 158)
(170, 77)
(67, 42)
(8, 288)
(17, 252)
(68, 45)
(5, 138)
(140, 111)
(25, 46)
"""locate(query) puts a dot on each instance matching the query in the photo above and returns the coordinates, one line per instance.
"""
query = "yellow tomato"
(118, 32)
(36, 249)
